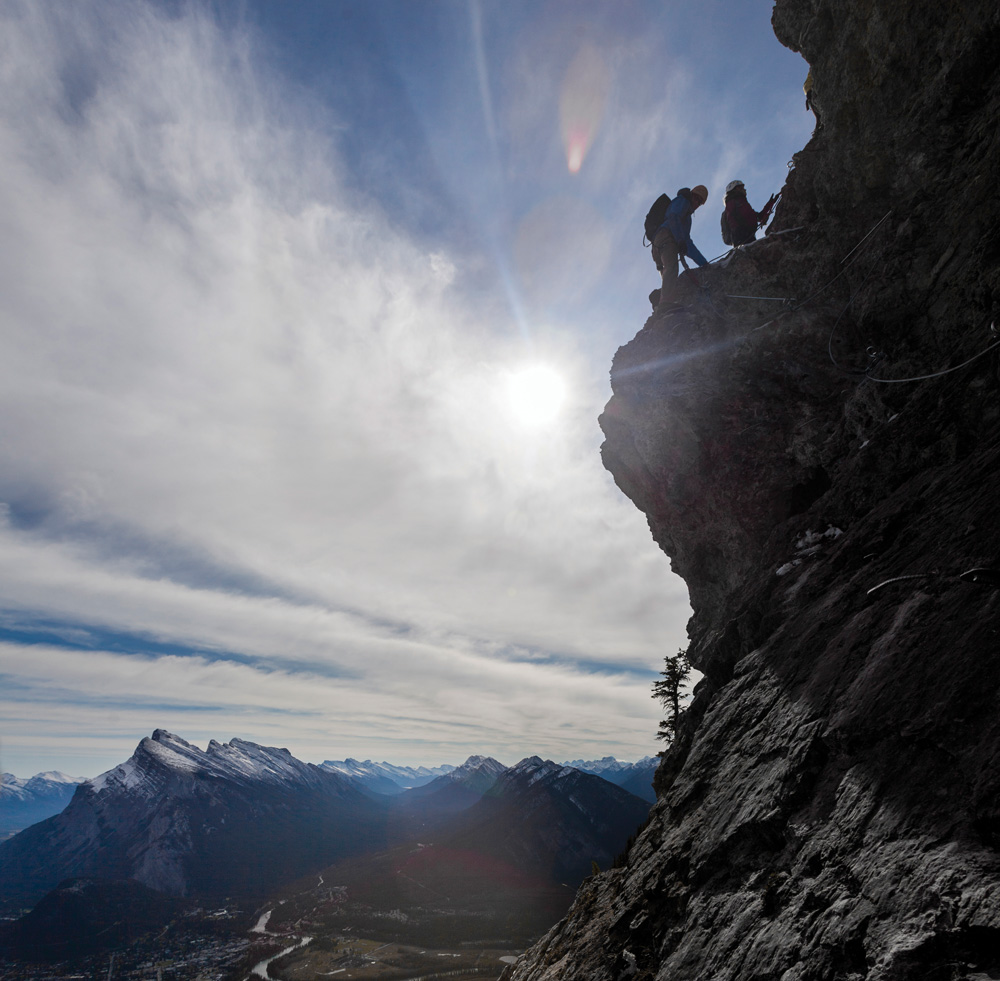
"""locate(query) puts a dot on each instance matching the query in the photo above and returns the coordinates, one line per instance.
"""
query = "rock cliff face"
(832, 806)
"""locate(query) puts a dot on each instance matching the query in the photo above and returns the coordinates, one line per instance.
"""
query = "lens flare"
(581, 104)
(576, 149)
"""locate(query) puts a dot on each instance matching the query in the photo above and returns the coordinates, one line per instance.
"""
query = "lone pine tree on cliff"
(675, 673)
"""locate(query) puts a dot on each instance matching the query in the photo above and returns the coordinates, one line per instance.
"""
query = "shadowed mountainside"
(501, 871)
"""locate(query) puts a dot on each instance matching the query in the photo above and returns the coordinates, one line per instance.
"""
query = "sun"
(536, 394)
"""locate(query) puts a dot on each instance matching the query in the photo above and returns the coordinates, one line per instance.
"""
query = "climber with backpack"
(739, 221)
(668, 227)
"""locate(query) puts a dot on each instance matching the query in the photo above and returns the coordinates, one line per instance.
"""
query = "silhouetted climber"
(739, 221)
(672, 241)
(807, 87)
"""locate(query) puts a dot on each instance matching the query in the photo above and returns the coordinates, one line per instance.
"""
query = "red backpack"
(739, 221)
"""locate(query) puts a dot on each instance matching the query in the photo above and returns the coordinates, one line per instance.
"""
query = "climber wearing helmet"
(672, 240)
(739, 220)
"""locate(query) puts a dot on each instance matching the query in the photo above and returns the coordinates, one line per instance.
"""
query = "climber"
(672, 241)
(807, 87)
(739, 221)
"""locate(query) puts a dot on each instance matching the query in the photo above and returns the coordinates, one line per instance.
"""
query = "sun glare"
(536, 394)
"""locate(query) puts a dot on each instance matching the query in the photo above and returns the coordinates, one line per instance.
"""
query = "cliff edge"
(820, 467)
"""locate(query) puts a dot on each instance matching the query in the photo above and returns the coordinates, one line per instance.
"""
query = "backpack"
(727, 235)
(740, 221)
(655, 216)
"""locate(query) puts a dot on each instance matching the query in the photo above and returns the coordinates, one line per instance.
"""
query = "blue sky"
(270, 273)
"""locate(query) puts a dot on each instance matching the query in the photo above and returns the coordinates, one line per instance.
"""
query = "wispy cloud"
(243, 414)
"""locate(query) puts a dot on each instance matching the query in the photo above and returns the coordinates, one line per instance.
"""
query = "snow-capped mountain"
(239, 819)
(385, 778)
(37, 786)
(238, 761)
(636, 778)
(477, 773)
(552, 818)
(422, 810)
(26, 802)
(234, 819)
(607, 764)
(472, 779)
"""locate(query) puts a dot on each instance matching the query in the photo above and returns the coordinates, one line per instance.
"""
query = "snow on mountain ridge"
(122, 777)
(535, 769)
(480, 764)
(238, 760)
(608, 764)
(12, 788)
(21, 788)
(156, 818)
(404, 777)
(53, 776)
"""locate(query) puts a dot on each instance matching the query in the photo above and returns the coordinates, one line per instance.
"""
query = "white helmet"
(732, 185)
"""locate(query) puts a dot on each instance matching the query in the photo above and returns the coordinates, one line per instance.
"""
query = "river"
(261, 969)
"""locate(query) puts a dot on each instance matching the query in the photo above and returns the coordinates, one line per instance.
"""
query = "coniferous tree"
(669, 692)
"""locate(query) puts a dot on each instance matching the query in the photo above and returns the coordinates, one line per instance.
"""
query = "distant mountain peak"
(163, 754)
(535, 769)
(480, 763)
(26, 802)
(386, 778)
(152, 817)
(55, 776)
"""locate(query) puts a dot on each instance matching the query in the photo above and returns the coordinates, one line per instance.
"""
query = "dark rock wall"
(832, 806)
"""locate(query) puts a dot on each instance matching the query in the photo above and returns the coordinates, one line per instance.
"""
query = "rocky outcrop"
(821, 470)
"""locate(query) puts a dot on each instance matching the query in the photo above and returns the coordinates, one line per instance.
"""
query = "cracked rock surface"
(831, 808)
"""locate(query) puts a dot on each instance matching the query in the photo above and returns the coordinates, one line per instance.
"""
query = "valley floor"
(343, 958)
(369, 960)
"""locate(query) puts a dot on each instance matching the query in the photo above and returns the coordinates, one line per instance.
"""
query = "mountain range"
(386, 778)
(505, 866)
(636, 778)
(238, 819)
(25, 802)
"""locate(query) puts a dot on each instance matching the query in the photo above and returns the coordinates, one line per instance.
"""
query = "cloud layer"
(259, 471)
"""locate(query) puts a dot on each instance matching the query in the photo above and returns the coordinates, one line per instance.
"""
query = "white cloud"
(241, 413)
(102, 699)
